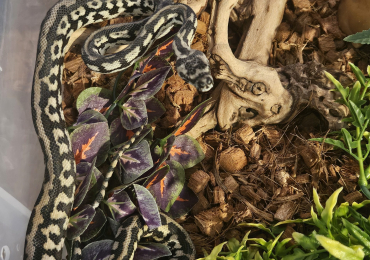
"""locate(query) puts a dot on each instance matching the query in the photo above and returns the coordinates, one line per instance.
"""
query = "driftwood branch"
(250, 91)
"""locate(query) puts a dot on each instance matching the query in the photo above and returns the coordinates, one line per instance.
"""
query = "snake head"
(195, 70)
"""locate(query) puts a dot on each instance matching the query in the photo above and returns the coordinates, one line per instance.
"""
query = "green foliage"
(340, 232)
(356, 142)
(360, 37)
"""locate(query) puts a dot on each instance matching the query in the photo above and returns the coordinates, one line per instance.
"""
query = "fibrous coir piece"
(255, 151)
(202, 27)
(233, 160)
(209, 222)
(273, 136)
(218, 195)
(245, 134)
(231, 184)
(201, 205)
(198, 181)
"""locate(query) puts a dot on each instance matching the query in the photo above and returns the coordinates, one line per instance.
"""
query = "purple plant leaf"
(168, 189)
(134, 114)
(157, 63)
(118, 134)
(154, 109)
(187, 151)
(128, 87)
(83, 187)
(166, 150)
(136, 161)
(151, 251)
(98, 250)
(165, 49)
(143, 63)
(157, 176)
(83, 168)
(184, 203)
(95, 226)
(90, 117)
(114, 225)
(147, 207)
(95, 184)
(79, 221)
(89, 141)
(95, 98)
(150, 83)
(160, 154)
(121, 205)
(192, 118)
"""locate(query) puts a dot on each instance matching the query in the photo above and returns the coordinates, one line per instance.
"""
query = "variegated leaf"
(89, 141)
(121, 205)
(184, 203)
(134, 114)
(136, 161)
(168, 189)
(79, 221)
(187, 151)
(95, 98)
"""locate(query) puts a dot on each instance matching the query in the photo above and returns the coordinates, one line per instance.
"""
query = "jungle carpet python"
(49, 219)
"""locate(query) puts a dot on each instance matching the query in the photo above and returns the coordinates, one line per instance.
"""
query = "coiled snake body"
(49, 219)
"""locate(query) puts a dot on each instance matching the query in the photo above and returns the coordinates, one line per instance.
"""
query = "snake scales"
(49, 219)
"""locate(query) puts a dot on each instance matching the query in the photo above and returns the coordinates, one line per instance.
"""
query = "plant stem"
(364, 129)
(110, 109)
(362, 180)
(365, 89)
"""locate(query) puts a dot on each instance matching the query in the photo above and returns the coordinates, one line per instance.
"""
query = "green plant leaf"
(358, 73)
(245, 238)
(280, 249)
(308, 243)
(260, 241)
(347, 119)
(260, 226)
(360, 37)
(316, 199)
(258, 256)
(342, 210)
(271, 246)
(356, 205)
(367, 112)
(297, 255)
(362, 221)
(343, 91)
(216, 250)
(356, 114)
(362, 237)
(339, 250)
(348, 139)
(327, 214)
(354, 94)
(233, 245)
(336, 143)
(318, 223)
(290, 221)
(239, 253)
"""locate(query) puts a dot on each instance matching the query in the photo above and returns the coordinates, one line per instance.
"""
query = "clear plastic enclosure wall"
(21, 159)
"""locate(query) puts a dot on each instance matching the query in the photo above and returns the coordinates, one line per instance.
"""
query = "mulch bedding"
(273, 167)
